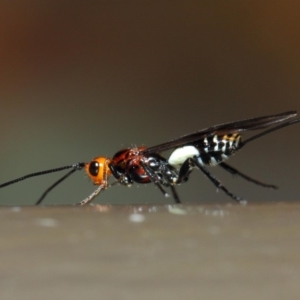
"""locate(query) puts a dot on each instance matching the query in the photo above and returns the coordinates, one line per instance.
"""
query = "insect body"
(209, 151)
(129, 166)
(203, 148)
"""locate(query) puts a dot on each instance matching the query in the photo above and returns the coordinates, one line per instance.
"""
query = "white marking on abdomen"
(206, 145)
(224, 156)
(215, 140)
(180, 155)
(213, 161)
(200, 160)
(224, 147)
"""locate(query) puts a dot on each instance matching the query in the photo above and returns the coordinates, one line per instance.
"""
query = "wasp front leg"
(121, 175)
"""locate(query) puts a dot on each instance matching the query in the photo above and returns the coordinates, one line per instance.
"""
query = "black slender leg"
(154, 178)
(175, 194)
(216, 182)
(236, 172)
(186, 169)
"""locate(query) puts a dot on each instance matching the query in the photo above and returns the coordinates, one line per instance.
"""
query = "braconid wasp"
(204, 148)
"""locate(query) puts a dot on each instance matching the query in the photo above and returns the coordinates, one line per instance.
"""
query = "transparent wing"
(225, 128)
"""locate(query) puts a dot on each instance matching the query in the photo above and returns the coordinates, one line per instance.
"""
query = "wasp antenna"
(270, 130)
(77, 166)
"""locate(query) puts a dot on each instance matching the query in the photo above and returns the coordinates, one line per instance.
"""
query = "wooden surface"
(150, 252)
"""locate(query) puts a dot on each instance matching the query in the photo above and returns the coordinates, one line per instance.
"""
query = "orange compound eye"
(98, 170)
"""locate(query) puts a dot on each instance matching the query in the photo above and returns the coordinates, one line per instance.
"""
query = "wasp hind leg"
(236, 172)
(186, 169)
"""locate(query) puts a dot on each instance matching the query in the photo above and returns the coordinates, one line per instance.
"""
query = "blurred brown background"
(81, 79)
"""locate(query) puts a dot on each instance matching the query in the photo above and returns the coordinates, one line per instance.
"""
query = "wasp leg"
(90, 198)
(175, 194)
(154, 178)
(236, 172)
(188, 165)
(185, 171)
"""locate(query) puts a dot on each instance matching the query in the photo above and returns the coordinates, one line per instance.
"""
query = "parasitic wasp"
(208, 147)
